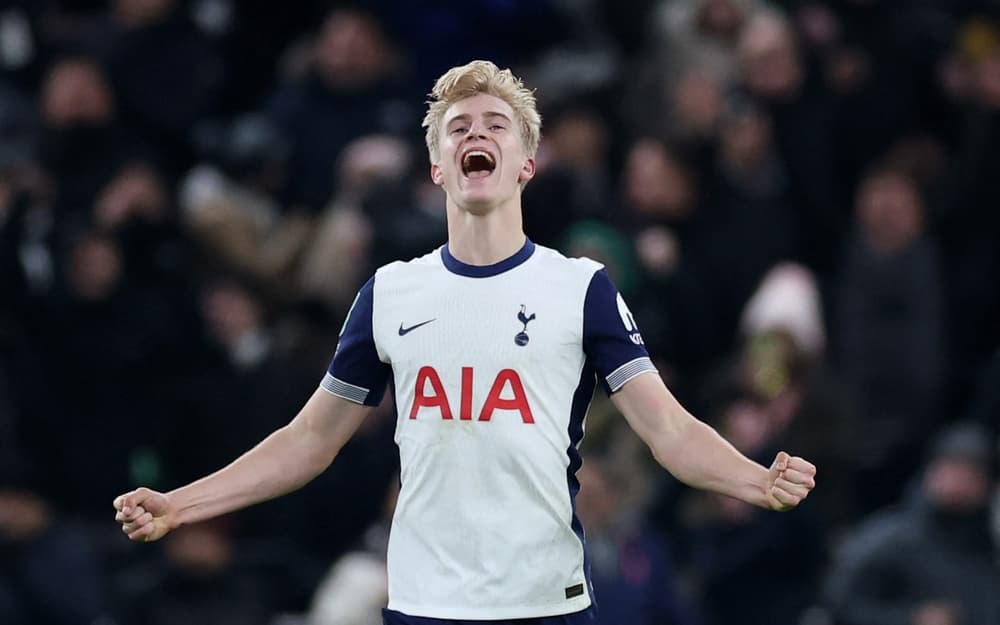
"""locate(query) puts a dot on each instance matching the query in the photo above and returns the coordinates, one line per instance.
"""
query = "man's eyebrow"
(464, 117)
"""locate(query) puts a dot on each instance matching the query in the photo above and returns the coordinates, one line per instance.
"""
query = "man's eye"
(497, 127)
(458, 129)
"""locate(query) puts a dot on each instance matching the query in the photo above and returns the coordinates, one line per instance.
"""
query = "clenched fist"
(145, 514)
(789, 481)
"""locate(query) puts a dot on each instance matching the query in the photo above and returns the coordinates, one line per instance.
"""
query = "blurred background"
(800, 199)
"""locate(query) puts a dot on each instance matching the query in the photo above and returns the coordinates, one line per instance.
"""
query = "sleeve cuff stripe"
(629, 370)
(340, 388)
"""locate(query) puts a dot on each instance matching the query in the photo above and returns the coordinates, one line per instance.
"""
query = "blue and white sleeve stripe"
(343, 389)
(617, 378)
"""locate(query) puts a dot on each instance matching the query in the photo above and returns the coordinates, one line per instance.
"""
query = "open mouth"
(478, 164)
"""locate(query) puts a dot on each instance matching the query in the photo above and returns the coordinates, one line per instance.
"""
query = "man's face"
(76, 92)
(889, 210)
(957, 484)
(482, 161)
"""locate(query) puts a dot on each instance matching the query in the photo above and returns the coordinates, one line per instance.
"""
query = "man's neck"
(485, 239)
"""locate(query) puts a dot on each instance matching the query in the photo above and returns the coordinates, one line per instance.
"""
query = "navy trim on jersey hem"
(585, 616)
(454, 265)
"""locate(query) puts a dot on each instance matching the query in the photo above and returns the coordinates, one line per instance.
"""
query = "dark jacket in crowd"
(903, 559)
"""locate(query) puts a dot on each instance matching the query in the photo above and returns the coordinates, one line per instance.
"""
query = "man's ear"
(527, 171)
(437, 176)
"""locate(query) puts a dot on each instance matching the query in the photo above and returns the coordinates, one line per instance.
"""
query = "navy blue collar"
(485, 271)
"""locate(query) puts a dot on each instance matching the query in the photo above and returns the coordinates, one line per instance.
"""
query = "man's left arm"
(698, 456)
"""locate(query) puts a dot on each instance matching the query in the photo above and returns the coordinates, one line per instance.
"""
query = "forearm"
(284, 461)
(698, 456)
(691, 450)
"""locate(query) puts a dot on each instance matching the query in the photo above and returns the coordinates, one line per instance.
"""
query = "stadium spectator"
(373, 217)
(119, 336)
(229, 204)
(703, 34)
(573, 181)
(662, 199)
(200, 579)
(79, 116)
(970, 227)
(783, 361)
(691, 62)
(889, 333)
(137, 207)
(165, 74)
(661, 189)
(353, 86)
(930, 559)
(773, 71)
(750, 223)
(27, 242)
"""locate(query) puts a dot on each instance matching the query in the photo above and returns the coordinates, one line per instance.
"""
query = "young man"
(495, 346)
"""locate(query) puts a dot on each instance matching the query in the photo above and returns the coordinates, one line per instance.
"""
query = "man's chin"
(478, 206)
(479, 201)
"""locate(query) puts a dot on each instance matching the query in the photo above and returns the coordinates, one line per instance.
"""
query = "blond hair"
(476, 78)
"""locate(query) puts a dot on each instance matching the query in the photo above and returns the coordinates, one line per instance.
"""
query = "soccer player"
(495, 346)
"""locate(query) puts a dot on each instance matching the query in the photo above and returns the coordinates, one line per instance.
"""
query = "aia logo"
(506, 393)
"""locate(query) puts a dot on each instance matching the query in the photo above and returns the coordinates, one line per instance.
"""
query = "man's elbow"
(667, 448)
(673, 445)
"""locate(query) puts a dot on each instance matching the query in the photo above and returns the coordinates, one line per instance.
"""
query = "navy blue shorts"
(585, 617)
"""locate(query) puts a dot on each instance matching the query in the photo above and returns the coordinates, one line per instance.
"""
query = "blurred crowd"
(800, 199)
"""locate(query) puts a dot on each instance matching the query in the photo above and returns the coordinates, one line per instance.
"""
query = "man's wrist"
(175, 510)
(760, 493)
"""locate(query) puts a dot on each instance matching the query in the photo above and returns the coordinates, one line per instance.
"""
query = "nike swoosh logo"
(404, 331)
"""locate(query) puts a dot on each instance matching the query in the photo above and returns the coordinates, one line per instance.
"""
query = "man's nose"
(475, 131)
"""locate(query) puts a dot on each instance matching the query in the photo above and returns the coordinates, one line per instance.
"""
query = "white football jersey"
(493, 370)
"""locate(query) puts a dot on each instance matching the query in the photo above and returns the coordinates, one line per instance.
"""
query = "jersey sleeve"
(611, 338)
(356, 373)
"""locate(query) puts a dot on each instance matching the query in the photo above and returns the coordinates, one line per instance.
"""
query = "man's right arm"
(284, 461)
